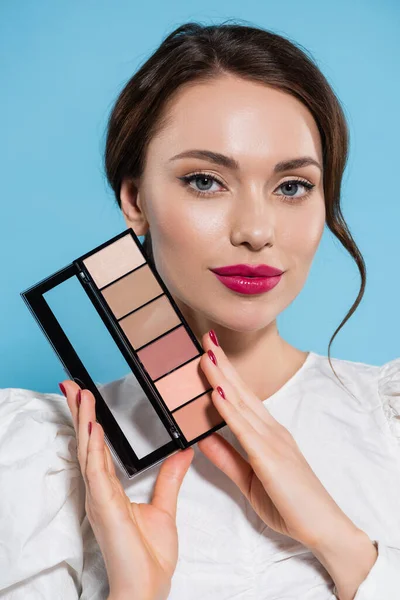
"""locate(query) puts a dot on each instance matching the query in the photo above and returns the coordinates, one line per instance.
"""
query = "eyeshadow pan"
(182, 385)
(197, 417)
(132, 291)
(167, 353)
(149, 322)
(113, 261)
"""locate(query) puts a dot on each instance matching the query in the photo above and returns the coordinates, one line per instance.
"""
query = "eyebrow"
(231, 163)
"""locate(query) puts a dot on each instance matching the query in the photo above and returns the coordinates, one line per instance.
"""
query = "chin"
(244, 321)
(237, 313)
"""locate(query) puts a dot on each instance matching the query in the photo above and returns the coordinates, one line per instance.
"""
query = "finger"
(98, 481)
(226, 368)
(225, 364)
(249, 437)
(87, 413)
(169, 480)
(109, 461)
(222, 454)
(217, 379)
(71, 391)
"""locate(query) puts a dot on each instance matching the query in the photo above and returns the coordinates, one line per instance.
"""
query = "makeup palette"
(109, 316)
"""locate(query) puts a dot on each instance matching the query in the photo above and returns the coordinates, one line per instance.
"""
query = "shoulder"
(357, 379)
(37, 412)
(371, 386)
(38, 446)
(389, 393)
(40, 480)
(36, 429)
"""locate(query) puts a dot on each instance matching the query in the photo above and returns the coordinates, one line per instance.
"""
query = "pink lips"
(249, 279)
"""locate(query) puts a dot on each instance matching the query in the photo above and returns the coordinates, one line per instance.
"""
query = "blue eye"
(297, 182)
(204, 178)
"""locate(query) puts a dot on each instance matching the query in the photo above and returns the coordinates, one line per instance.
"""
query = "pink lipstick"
(249, 279)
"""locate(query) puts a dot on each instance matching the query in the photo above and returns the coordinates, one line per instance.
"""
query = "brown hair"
(194, 53)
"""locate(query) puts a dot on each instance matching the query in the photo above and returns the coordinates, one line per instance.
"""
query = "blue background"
(62, 67)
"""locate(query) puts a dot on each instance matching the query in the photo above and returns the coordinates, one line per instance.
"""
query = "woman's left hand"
(276, 480)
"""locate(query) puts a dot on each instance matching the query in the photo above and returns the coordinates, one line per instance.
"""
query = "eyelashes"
(187, 180)
(299, 181)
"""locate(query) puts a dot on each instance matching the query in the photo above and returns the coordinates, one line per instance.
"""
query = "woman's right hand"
(139, 542)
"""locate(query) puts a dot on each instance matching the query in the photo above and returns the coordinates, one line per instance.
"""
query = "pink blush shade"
(197, 417)
(182, 385)
(167, 353)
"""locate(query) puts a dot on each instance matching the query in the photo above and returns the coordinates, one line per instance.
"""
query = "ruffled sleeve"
(41, 500)
(389, 393)
(383, 580)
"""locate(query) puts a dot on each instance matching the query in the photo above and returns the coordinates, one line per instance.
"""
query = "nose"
(253, 221)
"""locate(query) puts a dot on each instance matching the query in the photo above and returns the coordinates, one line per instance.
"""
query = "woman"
(229, 146)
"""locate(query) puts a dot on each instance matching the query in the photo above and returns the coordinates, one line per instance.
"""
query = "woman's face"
(225, 215)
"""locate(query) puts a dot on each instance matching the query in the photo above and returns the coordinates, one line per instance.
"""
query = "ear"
(131, 206)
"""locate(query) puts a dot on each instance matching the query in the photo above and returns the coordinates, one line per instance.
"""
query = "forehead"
(243, 118)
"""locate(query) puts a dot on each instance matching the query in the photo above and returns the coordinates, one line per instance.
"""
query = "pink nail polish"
(212, 356)
(221, 392)
(213, 337)
(62, 388)
(79, 398)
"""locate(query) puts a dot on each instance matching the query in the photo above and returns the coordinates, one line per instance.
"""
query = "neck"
(263, 359)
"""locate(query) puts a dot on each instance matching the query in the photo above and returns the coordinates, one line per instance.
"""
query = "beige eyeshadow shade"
(114, 261)
(197, 417)
(167, 353)
(182, 385)
(149, 322)
(132, 291)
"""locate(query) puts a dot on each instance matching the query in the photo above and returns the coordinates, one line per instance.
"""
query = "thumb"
(169, 480)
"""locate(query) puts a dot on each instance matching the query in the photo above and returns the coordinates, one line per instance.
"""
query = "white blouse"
(350, 437)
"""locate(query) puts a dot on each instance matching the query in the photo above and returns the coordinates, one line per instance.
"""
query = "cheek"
(185, 229)
(301, 235)
(183, 237)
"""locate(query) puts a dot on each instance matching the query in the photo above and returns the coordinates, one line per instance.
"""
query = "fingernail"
(62, 388)
(213, 337)
(212, 356)
(221, 391)
(79, 398)
(90, 427)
